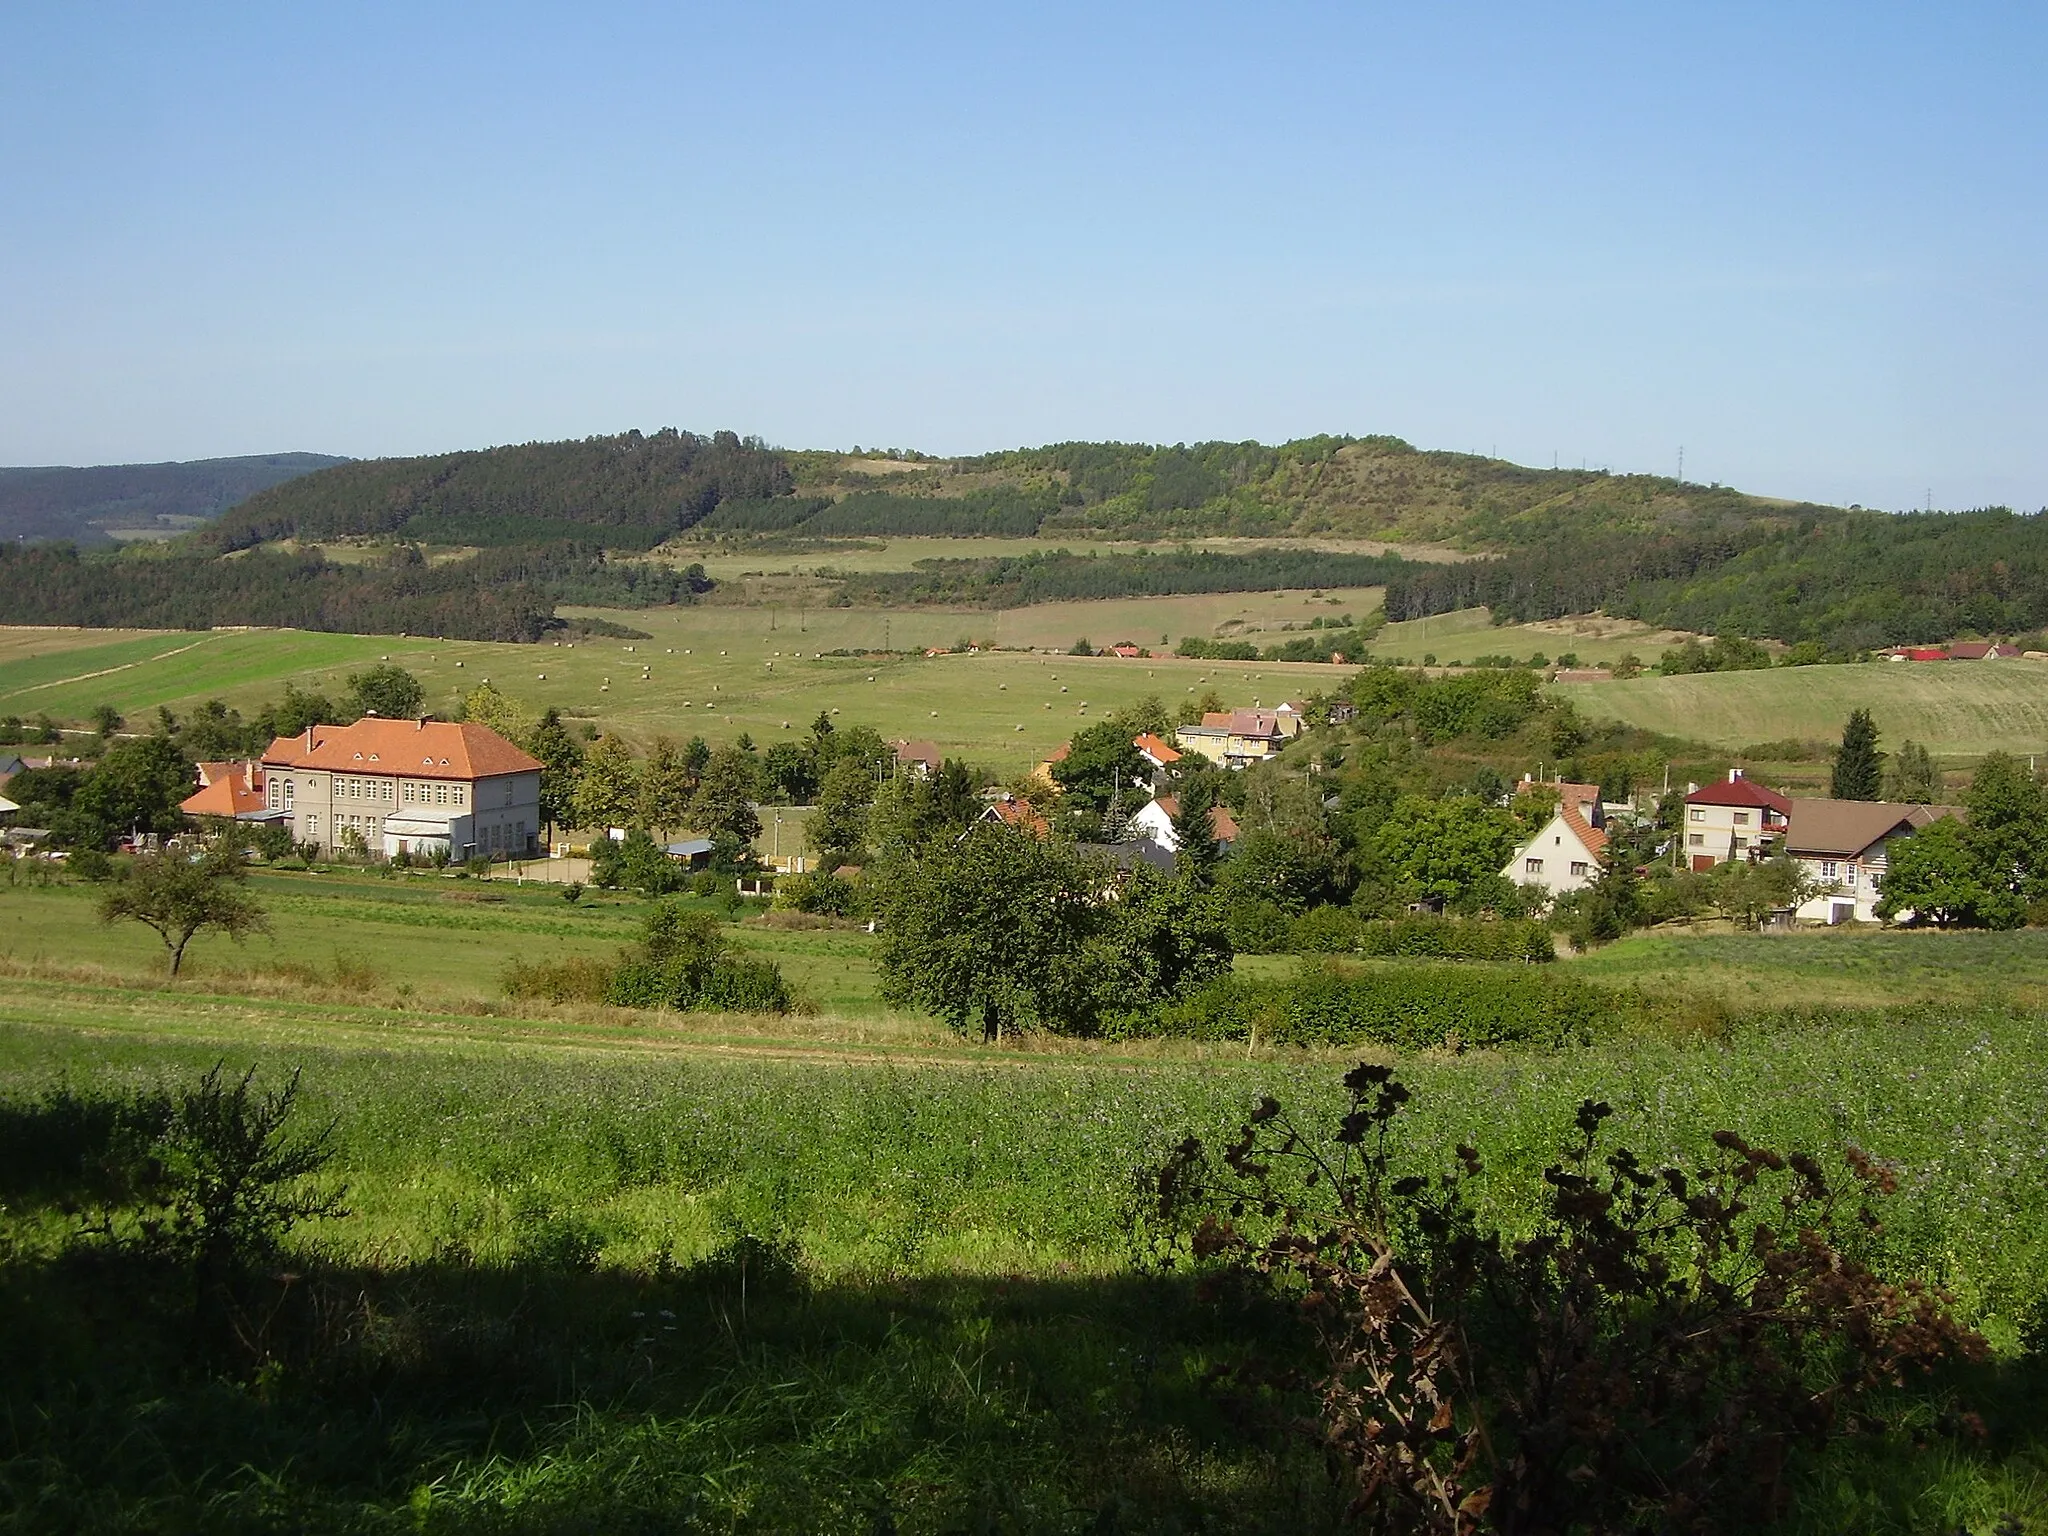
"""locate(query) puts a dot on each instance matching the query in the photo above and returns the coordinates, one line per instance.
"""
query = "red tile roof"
(431, 749)
(1741, 792)
(1021, 814)
(1155, 749)
(226, 789)
(1594, 839)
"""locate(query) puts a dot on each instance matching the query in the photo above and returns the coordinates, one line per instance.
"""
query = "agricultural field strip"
(235, 1021)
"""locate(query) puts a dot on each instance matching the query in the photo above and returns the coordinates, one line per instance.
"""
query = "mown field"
(1957, 709)
(601, 1277)
(709, 671)
(1461, 637)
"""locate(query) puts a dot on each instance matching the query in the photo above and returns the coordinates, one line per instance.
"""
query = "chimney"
(420, 724)
(309, 738)
(1734, 775)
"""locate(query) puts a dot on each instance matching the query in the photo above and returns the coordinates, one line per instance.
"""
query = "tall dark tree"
(1859, 766)
(1196, 851)
(136, 788)
(561, 770)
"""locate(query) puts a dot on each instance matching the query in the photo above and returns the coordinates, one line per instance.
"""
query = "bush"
(1326, 931)
(1409, 1007)
(578, 979)
(1649, 1358)
(820, 894)
(1259, 928)
(681, 962)
(1447, 938)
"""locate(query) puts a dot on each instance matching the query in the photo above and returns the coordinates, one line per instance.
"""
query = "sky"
(1801, 242)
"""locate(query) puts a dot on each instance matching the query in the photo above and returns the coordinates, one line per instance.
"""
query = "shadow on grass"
(728, 1395)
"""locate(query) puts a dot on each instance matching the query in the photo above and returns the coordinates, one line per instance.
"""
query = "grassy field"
(1459, 637)
(710, 671)
(844, 1272)
(1957, 709)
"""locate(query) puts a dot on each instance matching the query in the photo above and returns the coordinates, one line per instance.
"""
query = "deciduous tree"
(181, 898)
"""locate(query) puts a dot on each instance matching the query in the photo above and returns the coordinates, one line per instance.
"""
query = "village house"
(1734, 819)
(1841, 846)
(417, 787)
(1237, 737)
(919, 759)
(1154, 823)
(1567, 853)
(232, 792)
(1010, 811)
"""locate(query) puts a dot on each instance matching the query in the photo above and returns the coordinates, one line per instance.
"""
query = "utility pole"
(1681, 463)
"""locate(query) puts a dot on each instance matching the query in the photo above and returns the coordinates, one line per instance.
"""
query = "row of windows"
(348, 787)
(1535, 867)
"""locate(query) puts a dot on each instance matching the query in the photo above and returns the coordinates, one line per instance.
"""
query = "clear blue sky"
(1805, 241)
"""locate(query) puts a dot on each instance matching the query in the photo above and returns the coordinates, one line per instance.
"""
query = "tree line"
(1013, 581)
(496, 594)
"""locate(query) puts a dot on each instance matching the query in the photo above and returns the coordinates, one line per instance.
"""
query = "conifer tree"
(1859, 766)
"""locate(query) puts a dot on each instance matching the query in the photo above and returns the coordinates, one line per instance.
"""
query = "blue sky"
(1803, 241)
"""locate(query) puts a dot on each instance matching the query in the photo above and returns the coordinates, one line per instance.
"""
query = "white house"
(1155, 824)
(1842, 846)
(1565, 856)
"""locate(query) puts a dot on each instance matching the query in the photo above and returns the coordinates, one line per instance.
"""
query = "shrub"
(682, 962)
(1325, 931)
(1259, 927)
(821, 894)
(578, 979)
(1409, 1007)
(1444, 938)
(1649, 1358)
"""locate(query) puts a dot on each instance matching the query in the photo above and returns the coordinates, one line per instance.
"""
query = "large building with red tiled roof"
(406, 786)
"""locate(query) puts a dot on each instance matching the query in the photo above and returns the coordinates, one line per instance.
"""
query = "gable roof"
(416, 749)
(926, 752)
(1848, 828)
(1021, 814)
(1741, 792)
(1155, 749)
(1592, 837)
(226, 789)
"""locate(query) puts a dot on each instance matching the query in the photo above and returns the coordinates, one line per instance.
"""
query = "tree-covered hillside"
(82, 504)
(628, 492)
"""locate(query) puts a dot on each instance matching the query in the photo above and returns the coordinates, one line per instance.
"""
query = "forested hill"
(628, 492)
(59, 502)
(632, 492)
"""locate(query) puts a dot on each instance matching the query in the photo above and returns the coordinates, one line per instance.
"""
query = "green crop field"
(714, 671)
(1957, 709)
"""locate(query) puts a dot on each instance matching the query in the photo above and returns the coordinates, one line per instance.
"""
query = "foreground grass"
(604, 1275)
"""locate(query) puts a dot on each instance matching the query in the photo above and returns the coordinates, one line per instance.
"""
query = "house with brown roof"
(1735, 819)
(1568, 852)
(919, 759)
(1981, 650)
(231, 792)
(1842, 846)
(406, 786)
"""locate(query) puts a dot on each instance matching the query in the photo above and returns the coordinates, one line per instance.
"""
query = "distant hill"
(571, 521)
(91, 505)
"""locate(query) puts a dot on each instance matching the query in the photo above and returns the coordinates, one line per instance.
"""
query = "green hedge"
(1262, 928)
(1411, 1007)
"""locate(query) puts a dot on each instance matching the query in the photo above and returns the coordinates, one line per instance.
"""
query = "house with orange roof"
(1569, 851)
(231, 792)
(406, 786)
(1012, 811)
(1154, 750)
(1735, 819)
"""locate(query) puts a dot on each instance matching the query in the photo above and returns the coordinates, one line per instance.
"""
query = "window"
(313, 824)
(1828, 869)
(1580, 867)
(1696, 813)
(508, 791)
(1849, 877)
(276, 794)
(1697, 839)
(1532, 866)
(458, 794)
(1741, 841)
(1742, 818)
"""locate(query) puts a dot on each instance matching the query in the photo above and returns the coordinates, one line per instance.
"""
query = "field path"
(81, 677)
